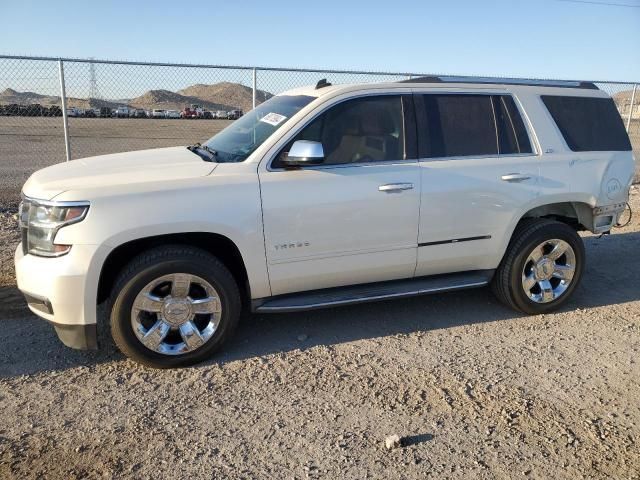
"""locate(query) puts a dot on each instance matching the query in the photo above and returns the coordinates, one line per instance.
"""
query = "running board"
(369, 292)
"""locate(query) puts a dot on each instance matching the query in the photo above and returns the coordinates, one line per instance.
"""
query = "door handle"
(515, 177)
(395, 187)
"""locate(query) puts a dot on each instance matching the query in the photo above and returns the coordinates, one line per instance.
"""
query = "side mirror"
(304, 152)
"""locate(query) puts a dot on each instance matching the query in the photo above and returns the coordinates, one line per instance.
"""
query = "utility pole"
(63, 101)
(93, 82)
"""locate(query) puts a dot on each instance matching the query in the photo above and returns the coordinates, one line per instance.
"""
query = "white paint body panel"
(129, 170)
(330, 227)
(356, 234)
(466, 198)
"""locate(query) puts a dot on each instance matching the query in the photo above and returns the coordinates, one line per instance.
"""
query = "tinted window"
(367, 129)
(457, 125)
(512, 134)
(588, 124)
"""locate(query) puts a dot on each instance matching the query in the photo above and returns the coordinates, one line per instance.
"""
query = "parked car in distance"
(234, 114)
(105, 112)
(221, 114)
(73, 112)
(157, 113)
(370, 192)
(11, 109)
(137, 113)
(33, 110)
(207, 115)
(192, 112)
(121, 112)
(89, 113)
(172, 114)
(54, 111)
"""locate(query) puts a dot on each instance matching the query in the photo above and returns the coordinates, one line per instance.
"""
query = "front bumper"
(82, 337)
(63, 291)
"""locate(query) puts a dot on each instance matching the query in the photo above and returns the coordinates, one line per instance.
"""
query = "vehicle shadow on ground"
(611, 277)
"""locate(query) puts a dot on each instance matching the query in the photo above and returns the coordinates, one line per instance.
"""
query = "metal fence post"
(63, 99)
(254, 87)
(633, 99)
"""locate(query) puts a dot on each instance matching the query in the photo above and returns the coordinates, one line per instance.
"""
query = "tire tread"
(153, 257)
(501, 284)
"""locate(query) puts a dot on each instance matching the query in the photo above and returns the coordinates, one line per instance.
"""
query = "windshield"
(236, 142)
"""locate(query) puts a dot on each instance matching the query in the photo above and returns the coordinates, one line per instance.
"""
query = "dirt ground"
(475, 390)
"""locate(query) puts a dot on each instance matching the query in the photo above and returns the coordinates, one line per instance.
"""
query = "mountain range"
(218, 96)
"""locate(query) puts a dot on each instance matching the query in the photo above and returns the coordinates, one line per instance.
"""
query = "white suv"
(327, 196)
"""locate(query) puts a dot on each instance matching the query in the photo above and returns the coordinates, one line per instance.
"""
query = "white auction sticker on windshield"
(273, 118)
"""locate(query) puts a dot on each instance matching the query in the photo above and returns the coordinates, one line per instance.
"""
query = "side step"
(368, 292)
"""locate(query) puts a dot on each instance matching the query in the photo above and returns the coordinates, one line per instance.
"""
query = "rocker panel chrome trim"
(351, 295)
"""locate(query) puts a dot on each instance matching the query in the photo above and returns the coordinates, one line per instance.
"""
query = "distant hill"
(218, 96)
(9, 96)
(625, 95)
(234, 95)
(623, 101)
(168, 100)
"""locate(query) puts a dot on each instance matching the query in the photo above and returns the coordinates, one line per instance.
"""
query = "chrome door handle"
(515, 177)
(395, 187)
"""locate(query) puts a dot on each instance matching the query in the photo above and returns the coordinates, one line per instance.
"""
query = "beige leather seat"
(365, 135)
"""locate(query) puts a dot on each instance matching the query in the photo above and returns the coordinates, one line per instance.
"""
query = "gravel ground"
(473, 389)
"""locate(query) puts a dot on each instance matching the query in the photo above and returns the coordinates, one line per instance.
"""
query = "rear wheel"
(541, 268)
(174, 306)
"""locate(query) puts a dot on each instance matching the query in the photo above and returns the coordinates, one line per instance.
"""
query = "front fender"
(228, 206)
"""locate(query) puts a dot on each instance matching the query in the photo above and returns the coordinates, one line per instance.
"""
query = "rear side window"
(588, 124)
(457, 125)
(512, 134)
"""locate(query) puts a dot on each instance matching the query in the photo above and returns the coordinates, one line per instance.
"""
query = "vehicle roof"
(416, 84)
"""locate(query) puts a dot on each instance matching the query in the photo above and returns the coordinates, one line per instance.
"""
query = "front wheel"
(541, 268)
(174, 306)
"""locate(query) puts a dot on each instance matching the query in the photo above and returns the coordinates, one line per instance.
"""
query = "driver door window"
(367, 129)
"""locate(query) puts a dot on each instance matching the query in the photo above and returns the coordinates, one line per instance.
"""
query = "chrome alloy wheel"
(176, 314)
(548, 271)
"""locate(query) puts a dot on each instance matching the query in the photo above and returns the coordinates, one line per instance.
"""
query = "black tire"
(153, 264)
(507, 281)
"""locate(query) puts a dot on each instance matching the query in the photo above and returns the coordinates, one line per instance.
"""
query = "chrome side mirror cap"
(304, 152)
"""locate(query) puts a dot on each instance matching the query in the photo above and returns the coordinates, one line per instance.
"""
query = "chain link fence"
(111, 106)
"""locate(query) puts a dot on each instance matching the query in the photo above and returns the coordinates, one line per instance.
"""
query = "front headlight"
(40, 222)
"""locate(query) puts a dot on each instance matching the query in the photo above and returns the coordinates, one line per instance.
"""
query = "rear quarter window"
(512, 134)
(588, 124)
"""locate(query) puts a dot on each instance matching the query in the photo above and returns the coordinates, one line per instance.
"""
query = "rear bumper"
(605, 217)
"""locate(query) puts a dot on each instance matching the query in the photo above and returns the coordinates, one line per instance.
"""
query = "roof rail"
(503, 81)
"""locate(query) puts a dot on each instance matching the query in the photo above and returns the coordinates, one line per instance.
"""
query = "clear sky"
(530, 38)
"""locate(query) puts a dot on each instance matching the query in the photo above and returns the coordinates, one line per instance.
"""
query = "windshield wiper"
(197, 147)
